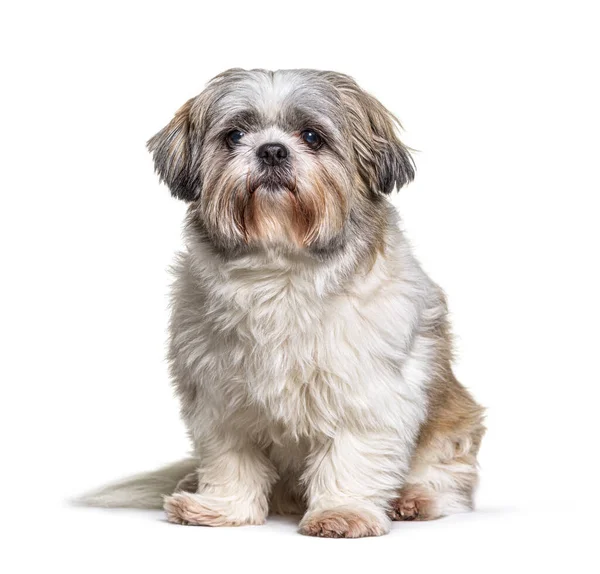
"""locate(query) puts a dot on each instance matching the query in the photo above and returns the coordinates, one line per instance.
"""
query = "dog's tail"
(145, 490)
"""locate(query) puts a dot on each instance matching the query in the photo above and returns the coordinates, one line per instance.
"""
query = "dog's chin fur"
(301, 210)
(310, 352)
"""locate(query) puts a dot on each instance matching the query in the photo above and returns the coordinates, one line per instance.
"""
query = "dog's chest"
(301, 360)
(296, 361)
(303, 364)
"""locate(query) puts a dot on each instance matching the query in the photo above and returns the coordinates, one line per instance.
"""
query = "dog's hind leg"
(441, 482)
(444, 473)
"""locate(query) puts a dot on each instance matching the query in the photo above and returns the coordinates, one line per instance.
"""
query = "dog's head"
(284, 158)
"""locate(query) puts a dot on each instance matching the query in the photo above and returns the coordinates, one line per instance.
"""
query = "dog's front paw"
(344, 522)
(200, 510)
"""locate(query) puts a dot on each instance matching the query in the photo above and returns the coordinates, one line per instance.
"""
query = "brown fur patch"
(444, 469)
(454, 428)
(341, 523)
(452, 410)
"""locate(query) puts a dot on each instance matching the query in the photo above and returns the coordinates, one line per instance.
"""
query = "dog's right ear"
(175, 150)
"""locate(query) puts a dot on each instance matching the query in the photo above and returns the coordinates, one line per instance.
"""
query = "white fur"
(279, 352)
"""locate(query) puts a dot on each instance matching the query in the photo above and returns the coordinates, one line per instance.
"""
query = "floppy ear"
(384, 161)
(175, 152)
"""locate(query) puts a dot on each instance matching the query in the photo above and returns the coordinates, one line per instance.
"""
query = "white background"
(501, 99)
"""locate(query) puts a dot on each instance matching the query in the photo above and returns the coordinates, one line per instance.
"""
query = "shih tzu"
(309, 350)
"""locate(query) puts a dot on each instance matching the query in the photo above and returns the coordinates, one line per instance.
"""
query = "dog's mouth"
(271, 182)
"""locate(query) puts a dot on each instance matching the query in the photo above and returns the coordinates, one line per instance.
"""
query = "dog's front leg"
(350, 481)
(234, 481)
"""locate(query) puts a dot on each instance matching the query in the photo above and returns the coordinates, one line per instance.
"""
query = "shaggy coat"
(309, 350)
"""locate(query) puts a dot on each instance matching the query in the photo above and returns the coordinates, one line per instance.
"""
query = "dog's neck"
(352, 251)
(248, 275)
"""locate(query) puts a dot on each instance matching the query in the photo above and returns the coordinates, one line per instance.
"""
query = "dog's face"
(281, 158)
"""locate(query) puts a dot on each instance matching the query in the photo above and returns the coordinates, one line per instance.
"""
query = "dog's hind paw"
(413, 504)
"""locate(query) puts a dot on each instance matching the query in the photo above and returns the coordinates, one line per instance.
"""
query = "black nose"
(272, 153)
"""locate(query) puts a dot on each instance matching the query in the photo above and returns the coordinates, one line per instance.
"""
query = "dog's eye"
(234, 137)
(312, 138)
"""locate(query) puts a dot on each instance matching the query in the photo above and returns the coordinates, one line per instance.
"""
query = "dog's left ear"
(175, 151)
(384, 161)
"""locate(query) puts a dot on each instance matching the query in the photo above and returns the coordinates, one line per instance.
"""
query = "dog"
(310, 352)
